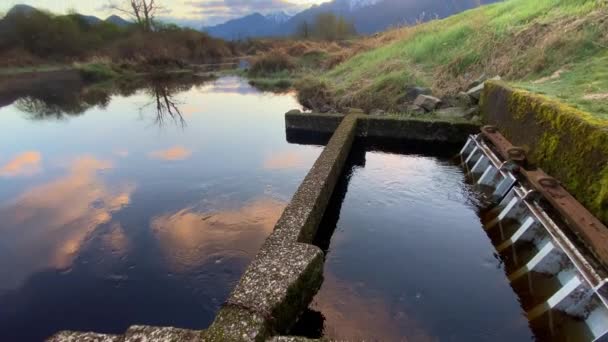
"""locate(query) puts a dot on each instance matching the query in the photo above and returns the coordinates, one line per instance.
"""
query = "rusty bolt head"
(490, 129)
(516, 153)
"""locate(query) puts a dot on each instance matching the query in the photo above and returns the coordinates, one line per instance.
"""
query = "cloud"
(290, 160)
(188, 238)
(172, 154)
(217, 11)
(352, 312)
(25, 164)
(47, 225)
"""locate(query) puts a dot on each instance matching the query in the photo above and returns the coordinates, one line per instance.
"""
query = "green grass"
(97, 72)
(30, 69)
(521, 40)
(575, 84)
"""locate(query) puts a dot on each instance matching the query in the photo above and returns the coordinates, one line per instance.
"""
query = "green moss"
(567, 143)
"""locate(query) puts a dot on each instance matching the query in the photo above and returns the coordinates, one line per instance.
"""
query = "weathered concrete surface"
(287, 271)
(568, 144)
(135, 333)
(322, 123)
(444, 131)
(284, 276)
(453, 132)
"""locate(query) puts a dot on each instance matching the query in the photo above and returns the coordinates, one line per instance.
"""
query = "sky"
(189, 12)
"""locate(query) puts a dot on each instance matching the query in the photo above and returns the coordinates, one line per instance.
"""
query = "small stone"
(451, 113)
(475, 92)
(429, 103)
(463, 99)
(294, 112)
(414, 109)
(481, 79)
(378, 112)
(412, 92)
(325, 108)
(471, 112)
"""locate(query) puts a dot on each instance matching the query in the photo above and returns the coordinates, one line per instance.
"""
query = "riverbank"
(517, 40)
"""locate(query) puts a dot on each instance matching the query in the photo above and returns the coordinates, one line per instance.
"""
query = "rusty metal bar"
(575, 215)
(503, 146)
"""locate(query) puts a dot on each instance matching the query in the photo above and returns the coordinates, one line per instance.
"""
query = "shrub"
(314, 94)
(271, 63)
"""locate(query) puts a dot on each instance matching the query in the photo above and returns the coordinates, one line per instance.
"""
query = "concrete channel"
(287, 271)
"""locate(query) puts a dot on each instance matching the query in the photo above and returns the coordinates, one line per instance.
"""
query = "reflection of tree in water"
(58, 103)
(163, 101)
(61, 104)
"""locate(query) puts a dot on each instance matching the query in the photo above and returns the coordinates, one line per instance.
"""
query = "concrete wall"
(566, 143)
(387, 127)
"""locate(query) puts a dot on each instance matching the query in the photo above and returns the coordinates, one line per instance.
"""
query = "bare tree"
(142, 11)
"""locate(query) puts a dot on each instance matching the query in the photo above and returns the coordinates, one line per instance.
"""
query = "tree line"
(45, 36)
(326, 26)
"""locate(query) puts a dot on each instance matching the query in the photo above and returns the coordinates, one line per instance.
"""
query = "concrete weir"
(287, 272)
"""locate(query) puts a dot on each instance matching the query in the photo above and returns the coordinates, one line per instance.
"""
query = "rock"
(475, 92)
(471, 112)
(412, 92)
(478, 81)
(452, 113)
(294, 112)
(429, 103)
(325, 109)
(378, 112)
(414, 109)
(463, 99)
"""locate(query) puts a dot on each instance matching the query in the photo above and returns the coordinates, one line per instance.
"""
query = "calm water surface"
(409, 259)
(139, 206)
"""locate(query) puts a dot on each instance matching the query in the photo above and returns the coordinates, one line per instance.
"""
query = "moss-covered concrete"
(386, 127)
(442, 131)
(567, 143)
(136, 333)
(312, 122)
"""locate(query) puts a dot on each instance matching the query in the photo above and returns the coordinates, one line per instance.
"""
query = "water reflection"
(106, 222)
(77, 97)
(46, 225)
(188, 238)
(25, 164)
(408, 258)
(171, 154)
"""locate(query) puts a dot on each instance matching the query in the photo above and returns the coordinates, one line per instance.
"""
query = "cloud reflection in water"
(55, 219)
(188, 238)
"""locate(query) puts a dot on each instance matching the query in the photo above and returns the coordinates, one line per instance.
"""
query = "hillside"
(555, 47)
(369, 16)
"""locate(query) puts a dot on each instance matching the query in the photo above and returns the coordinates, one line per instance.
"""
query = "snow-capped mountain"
(278, 17)
(357, 4)
(369, 16)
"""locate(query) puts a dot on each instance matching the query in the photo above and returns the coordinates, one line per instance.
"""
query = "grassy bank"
(555, 47)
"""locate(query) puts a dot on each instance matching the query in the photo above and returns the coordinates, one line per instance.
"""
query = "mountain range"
(90, 19)
(369, 16)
